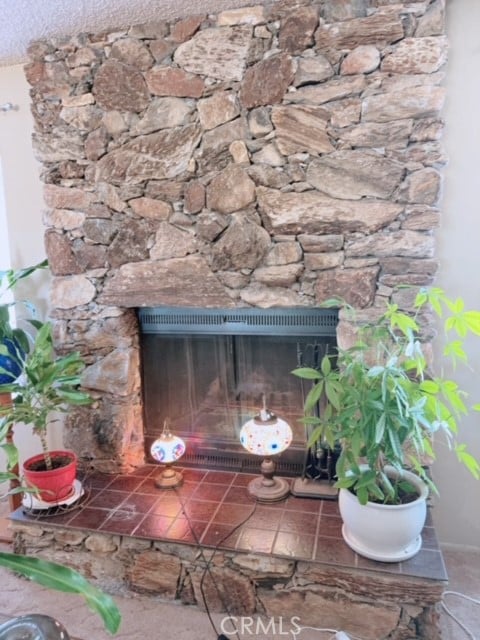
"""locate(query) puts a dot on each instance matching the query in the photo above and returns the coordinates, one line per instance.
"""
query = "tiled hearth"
(214, 509)
(209, 541)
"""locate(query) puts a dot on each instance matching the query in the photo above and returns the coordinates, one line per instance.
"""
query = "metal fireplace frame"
(297, 321)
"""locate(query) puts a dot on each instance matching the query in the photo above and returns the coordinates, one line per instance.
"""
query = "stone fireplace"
(264, 157)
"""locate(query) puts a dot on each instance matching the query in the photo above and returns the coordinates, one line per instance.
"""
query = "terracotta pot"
(54, 485)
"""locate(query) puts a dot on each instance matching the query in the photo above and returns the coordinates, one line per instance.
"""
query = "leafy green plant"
(14, 341)
(48, 384)
(383, 403)
(40, 383)
(61, 578)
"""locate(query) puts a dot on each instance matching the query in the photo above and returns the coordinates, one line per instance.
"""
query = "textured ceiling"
(22, 21)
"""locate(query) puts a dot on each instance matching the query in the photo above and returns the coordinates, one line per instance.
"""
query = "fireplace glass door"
(207, 382)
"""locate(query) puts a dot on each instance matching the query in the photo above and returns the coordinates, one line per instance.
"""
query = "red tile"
(97, 480)
(330, 526)
(144, 471)
(153, 527)
(107, 499)
(299, 522)
(334, 551)
(148, 486)
(220, 477)
(243, 479)
(125, 483)
(256, 540)
(239, 495)
(229, 513)
(121, 522)
(89, 518)
(223, 536)
(294, 545)
(183, 530)
(330, 508)
(265, 517)
(185, 490)
(138, 503)
(303, 504)
(194, 475)
(200, 510)
(210, 491)
(169, 507)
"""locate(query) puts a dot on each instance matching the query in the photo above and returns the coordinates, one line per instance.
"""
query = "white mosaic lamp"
(267, 435)
(167, 449)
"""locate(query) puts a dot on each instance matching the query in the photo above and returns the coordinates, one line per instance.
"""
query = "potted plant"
(29, 369)
(49, 384)
(386, 406)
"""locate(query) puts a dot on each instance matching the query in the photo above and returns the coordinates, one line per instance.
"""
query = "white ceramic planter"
(388, 533)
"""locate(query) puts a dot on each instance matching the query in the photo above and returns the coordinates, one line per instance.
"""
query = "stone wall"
(273, 155)
(370, 604)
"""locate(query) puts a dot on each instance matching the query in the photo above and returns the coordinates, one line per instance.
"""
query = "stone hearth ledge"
(282, 559)
(368, 603)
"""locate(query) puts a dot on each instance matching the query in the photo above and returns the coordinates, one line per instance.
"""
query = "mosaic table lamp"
(167, 449)
(267, 435)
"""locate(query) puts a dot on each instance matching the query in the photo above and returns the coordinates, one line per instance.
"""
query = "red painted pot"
(56, 484)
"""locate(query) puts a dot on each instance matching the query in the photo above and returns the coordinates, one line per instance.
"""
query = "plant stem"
(46, 453)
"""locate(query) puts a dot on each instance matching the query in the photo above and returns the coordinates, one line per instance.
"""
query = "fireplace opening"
(206, 371)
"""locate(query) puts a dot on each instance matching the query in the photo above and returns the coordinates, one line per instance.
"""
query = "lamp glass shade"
(265, 437)
(167, 448)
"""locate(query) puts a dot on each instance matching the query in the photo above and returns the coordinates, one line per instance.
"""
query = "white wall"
(21, 210)
(457, 512)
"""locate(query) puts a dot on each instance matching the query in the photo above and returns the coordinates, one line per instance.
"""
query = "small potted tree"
(48, 384)
(387, 408)
(39, 382)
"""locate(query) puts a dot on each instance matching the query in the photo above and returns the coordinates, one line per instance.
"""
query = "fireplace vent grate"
(238, 463)
(285, 321)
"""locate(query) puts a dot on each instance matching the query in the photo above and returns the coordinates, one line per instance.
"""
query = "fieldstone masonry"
(272, 155)
(377, 606)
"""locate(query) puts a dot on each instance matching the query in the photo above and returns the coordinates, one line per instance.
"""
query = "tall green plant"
(41, 383)
(384, 404)
(48, 384)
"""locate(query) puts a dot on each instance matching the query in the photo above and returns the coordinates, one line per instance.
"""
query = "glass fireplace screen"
(206, 372)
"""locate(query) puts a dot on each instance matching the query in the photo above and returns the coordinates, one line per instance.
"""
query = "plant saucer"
(373, 554)
(30, 500)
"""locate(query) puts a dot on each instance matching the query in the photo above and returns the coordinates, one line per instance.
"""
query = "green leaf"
(380, 428)
(326, 365)
(468, 460)
(362, 495)
(313, 396)
(315, 436)
(333, 390)
(472, 319)
(11, 452)
(5, 475)
(56, 576)
(307, 373)
(455, 350)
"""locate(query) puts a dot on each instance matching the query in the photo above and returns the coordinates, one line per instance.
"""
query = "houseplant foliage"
(385, 405)
(14, 341)
(40, 382)
(48, 384)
